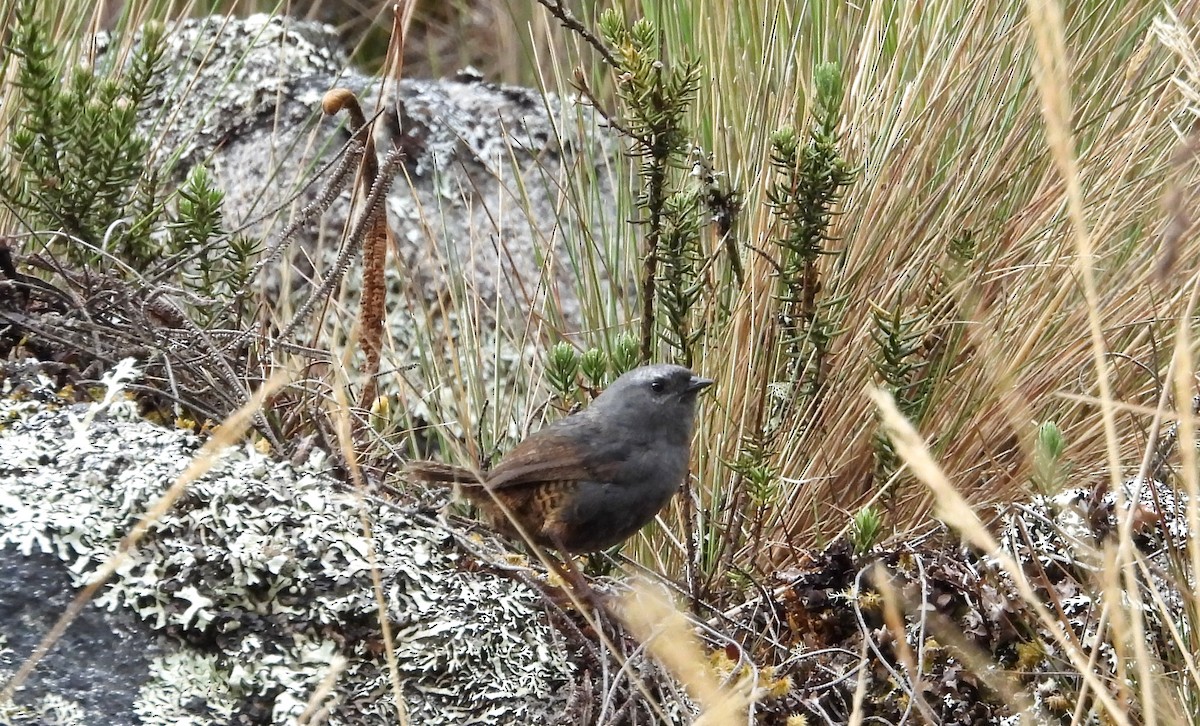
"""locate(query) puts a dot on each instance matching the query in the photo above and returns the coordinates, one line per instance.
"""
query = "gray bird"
(591, 480)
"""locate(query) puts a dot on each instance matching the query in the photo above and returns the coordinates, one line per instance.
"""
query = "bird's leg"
(564, 566)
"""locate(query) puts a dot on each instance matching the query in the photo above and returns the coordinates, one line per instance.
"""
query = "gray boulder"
(485, 208)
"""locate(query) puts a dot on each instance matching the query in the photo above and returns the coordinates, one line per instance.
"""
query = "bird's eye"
(657, 386)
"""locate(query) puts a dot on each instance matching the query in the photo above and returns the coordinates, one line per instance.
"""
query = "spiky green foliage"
(962, 248)
(901, 367)
(655, 97)
(744, 516)
(898, 359)
(1049, 473)
(813, 176)
(76, 163)
(569, 372)
(562, 369)
(624, 355)
(198, 212)
(218, 273)
(865, 529)
(594, 365)
(77, 173)
(679, 262)
(761, 478)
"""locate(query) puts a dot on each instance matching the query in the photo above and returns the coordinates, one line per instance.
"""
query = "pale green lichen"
(268, 563)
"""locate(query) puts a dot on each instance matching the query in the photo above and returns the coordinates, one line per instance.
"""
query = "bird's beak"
(698, 384)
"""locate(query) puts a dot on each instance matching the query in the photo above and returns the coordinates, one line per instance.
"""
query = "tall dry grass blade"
(1045, 18)
(1177, 37)
(1054, 83)
(896, 624)
(662, 628)
(345, 436)
(314, 712)
(860, 687)
(1183, 383)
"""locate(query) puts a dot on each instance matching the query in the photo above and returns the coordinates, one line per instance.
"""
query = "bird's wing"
(548, 455)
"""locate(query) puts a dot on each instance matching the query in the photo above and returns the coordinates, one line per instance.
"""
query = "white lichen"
(268, 563)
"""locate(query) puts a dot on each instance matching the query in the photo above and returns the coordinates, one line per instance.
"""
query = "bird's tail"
(438, 473)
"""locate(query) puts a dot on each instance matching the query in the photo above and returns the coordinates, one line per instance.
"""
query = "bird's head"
(657, 396)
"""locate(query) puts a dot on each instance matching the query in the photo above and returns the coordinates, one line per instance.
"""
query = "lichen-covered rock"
(94, 674)
(262, 575)
(484, 210)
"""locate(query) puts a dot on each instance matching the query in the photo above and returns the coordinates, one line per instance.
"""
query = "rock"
(482, 209)
(95, 672)
(481, 197)
(258, 579)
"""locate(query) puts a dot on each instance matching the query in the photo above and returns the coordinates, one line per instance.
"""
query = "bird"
(591, 480)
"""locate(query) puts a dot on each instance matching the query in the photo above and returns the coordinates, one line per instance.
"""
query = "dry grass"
(946, 118)
(1067, 155)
